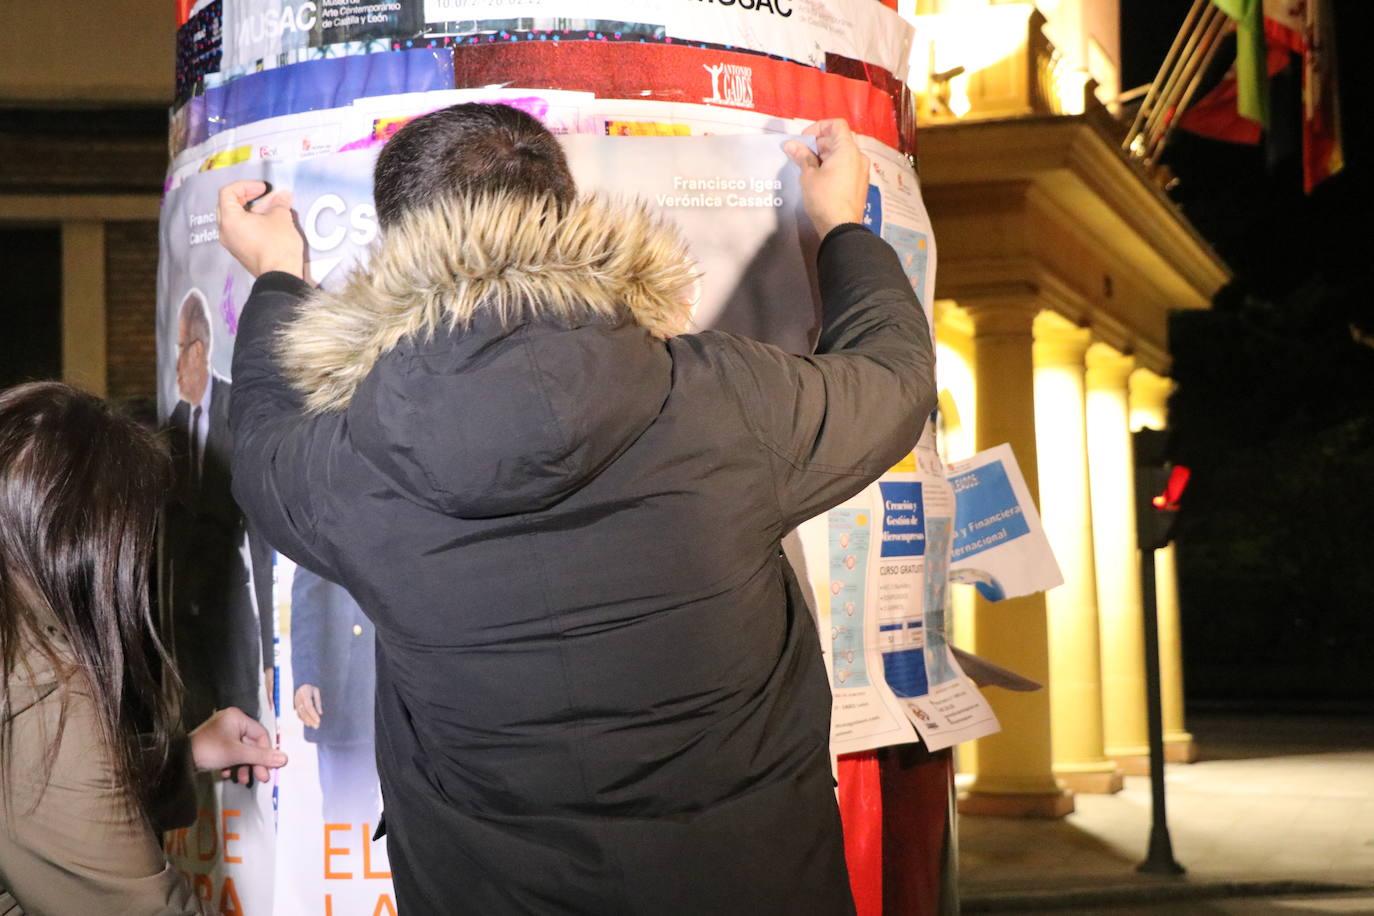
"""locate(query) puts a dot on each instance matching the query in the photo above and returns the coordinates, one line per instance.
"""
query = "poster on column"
(258, 31)
(270, 847)
(919, 510)
(993, 541)
(799, 30)
(235, 38)
(886, 595)
(323, 855)
(840, 561)
(216, 576)
(302, 843)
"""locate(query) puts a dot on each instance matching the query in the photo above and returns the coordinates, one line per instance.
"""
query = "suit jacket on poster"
(332, 649)
(599, 689)
(222, 644)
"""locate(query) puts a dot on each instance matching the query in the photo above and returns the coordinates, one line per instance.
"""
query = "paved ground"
(1286, 905)
(1277, 813)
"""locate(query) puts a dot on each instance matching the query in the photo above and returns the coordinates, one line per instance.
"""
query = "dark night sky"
(1268, 231)
(1274, 409)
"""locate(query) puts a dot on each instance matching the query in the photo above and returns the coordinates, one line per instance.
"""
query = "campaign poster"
(215, 574)
(738, 205)
(330, 797)
(272, 847)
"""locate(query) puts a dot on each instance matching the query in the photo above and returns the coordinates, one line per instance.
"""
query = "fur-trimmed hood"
(495, 356)
(514, 258)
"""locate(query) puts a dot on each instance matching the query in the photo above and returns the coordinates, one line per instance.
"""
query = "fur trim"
(515, 257)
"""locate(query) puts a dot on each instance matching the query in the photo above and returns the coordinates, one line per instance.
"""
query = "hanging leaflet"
(918, 522)
(839, 561)
(999, 545)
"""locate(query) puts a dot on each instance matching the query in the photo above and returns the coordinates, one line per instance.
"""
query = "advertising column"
(683, 104)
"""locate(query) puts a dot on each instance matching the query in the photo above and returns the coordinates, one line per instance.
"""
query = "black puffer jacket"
(598, 687)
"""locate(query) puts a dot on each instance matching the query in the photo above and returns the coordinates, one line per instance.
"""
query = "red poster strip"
(671, 73)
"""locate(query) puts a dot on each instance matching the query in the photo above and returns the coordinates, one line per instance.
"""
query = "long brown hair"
(81, 489)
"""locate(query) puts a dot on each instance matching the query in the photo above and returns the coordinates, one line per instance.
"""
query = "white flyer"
(841, 559)
(954, 710)
(918, 510)
(999, 545)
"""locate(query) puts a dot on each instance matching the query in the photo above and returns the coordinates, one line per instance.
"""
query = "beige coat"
(70, 839)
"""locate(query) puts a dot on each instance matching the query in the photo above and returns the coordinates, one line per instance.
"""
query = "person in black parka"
(332, 665)
(599, 690)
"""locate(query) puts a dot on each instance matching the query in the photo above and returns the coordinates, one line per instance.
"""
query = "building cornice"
(1075, 164)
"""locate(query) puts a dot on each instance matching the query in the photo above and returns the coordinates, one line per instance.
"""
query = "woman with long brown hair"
(92, 763)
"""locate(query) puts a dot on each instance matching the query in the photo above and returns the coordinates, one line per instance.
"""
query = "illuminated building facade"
(1060, 260)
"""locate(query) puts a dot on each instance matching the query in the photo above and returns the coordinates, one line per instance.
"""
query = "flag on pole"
(1322, 155)
(1252, 83)
(1301, 27)
(1217, 114)
(1285, 24)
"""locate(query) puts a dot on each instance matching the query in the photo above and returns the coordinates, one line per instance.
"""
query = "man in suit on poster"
(333, 664)
(220, 614)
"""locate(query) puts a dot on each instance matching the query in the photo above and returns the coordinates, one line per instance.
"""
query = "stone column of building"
(1112, 478)
(83, 305)
(958, 408)
(1065, 510)
(1149, 407)
(1013, 774)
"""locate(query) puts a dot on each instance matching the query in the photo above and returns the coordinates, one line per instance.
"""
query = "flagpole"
(1150, 96)
(1169, 81)
(1212, 43)
(1182, 72)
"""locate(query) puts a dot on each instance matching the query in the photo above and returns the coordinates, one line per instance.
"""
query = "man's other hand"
(308, 706)
(834, 179)
(259, 229)
(232, 742)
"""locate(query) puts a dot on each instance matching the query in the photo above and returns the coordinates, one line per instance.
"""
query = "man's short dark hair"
(466, 150)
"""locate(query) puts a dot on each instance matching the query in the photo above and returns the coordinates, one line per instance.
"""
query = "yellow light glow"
(1069, 87)
(974, 39)
(959, 102)
(958, 396)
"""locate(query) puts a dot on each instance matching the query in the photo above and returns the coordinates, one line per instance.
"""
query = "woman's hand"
(231, 739)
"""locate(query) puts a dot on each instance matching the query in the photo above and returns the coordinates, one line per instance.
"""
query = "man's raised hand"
(834, 179)
(259, 229)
